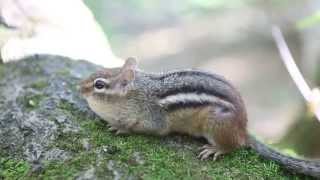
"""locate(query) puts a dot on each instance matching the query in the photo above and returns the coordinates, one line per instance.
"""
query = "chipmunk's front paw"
(118, 131)
(209, 150)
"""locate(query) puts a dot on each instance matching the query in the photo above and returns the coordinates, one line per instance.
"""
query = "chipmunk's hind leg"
(223, 132)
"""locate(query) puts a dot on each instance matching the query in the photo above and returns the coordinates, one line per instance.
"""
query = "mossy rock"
(48, 132)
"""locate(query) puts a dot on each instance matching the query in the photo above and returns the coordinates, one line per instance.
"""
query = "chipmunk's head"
(110, 81)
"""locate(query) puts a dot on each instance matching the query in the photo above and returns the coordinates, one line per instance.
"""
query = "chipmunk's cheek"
(85, 95)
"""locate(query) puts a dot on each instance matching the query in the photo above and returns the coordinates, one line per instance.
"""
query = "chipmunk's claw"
(118, 131)
(121, 132)
(209, 150)
(112, 129)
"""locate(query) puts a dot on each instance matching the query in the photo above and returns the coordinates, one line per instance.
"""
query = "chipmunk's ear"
(126, 77)
(131, 63)
(127, 73)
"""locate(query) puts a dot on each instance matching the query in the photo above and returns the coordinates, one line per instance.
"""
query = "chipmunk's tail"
(311, 168)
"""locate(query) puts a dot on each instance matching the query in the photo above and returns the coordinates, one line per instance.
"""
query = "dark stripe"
(193, 104)
(200, 88)
(194, 73)
(183, 105)
(196, 90)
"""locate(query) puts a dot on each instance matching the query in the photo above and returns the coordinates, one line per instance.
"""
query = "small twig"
(311, 96)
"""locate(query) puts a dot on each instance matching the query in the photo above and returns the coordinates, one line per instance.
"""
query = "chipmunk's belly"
(190, 121)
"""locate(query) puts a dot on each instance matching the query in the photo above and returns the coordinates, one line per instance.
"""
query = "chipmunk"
(192, 102)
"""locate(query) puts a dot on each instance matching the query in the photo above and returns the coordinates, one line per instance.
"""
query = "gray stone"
(87, 175)
(30, 92)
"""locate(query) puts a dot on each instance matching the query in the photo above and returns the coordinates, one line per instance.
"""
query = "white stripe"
(188, 97)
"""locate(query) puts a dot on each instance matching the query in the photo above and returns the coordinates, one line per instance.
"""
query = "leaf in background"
(309, 21)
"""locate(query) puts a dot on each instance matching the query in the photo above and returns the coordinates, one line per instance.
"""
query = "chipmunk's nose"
(82, 89)
(86, 88)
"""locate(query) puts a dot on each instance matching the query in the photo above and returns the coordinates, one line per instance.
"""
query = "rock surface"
(48, 132)
(31, 92)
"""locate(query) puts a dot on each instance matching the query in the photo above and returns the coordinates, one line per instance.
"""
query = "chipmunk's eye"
(100, 84)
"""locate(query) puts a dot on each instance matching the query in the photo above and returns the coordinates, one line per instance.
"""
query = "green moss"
(68, 107)
(63, 72)
(39, 85)
(31, 101)
(68, 169)
(160, 157)
(13, 169)
(35, 70)
(71, 142)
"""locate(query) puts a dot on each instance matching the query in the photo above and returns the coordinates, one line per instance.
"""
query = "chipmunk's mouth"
(84, 93)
